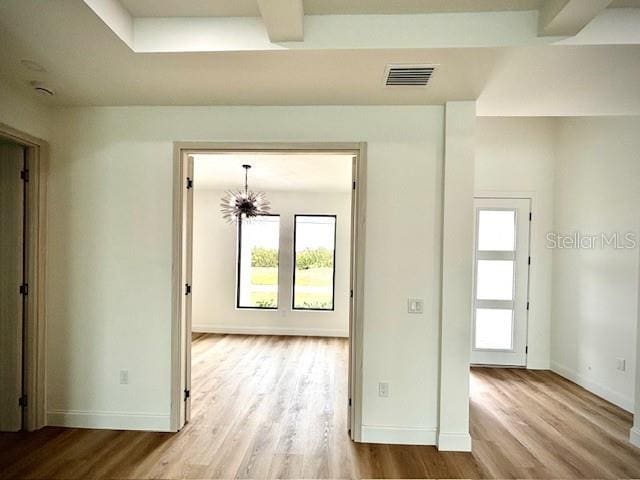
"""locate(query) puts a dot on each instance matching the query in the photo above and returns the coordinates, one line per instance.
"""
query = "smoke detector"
(42, 88)
(32, 65)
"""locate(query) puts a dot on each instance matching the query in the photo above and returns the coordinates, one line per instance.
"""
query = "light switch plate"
(415, 305)
(383, 389)
(621, 364)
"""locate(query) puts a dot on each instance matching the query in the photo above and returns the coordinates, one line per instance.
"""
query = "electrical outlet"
(124, 377)
(621, 364)
(415, 305)
(383, 389)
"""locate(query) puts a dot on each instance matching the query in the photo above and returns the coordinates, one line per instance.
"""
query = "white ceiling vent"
(414, 75)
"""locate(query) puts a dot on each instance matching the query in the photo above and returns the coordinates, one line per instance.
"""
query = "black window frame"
(239, 266)
(335, 246)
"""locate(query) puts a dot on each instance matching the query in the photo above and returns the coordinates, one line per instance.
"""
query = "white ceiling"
(274, 172)
(87, 64)
(249, 8)
(625, 4)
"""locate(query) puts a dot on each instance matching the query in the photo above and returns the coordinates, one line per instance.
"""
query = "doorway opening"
(280, 292)
(22, 341)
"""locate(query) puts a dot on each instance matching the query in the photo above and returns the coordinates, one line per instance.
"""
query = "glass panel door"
(501, 281)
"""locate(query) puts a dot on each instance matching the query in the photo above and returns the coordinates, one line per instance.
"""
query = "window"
(314, 265)
(258, 250)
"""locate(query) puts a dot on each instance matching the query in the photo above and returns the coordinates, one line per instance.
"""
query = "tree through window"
(314, 269)
(258, 250)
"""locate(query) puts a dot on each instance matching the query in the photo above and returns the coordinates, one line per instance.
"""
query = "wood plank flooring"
(536, 424)
(275, 407)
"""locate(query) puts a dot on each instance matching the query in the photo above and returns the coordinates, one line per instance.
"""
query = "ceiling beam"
(116, 17)
(567, 17)
(284, 19)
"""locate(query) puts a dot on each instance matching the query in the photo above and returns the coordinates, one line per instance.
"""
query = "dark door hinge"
(187, 394)
(349, 402)
(22, 401)
(24, 289)
(526, 349)
(24, 175)
(351, 293)
(354, 185)
(187, 289)
(527, 305)
(530, 216)
(189, 183)
(529, 261)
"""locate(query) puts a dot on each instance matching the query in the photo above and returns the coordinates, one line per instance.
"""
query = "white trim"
(109, 420)
(242, 330)
(523, 194)
(178, 329)
(398, 435)
(634, 436)
(606, 393)
(35, 342)
(534, 315)
(454, 442)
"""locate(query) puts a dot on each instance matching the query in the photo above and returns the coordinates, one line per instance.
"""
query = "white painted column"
(457, 276)
(634, 435)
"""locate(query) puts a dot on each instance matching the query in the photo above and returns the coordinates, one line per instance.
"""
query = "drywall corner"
(457, 275)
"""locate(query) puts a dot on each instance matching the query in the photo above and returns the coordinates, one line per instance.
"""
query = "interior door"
(11, 278)
(352, 286)
(501, 278)
(188, 273)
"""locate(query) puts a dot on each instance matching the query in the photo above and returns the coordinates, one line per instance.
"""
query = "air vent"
(417, 75)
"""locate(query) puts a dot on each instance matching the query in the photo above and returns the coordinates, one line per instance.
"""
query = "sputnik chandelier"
(243, 204)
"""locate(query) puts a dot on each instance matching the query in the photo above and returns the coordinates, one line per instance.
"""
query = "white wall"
(634, 435)
(109, 272)
(457, 276)
(22, 112)
(595, 292)
(214, 267)
(516, 156)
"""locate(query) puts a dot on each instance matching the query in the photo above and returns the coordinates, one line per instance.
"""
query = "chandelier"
(243, 204)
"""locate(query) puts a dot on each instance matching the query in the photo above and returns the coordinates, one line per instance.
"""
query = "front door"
(501, 278)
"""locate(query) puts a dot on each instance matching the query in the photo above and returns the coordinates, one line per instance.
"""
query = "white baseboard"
(305, 332)
(109, 420)
(609, 395)
(454, 442)
(398, 435)
(634, 436)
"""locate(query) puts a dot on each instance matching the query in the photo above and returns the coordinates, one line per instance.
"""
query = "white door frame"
(181, 204)
(535, 237)
(37, 156)
(524, 295)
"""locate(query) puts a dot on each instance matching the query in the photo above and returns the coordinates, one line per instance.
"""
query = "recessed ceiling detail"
(249, 8)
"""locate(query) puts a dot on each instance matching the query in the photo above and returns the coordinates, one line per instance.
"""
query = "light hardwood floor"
(275, 407)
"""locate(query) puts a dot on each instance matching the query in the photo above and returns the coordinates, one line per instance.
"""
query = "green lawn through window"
(313, 278)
